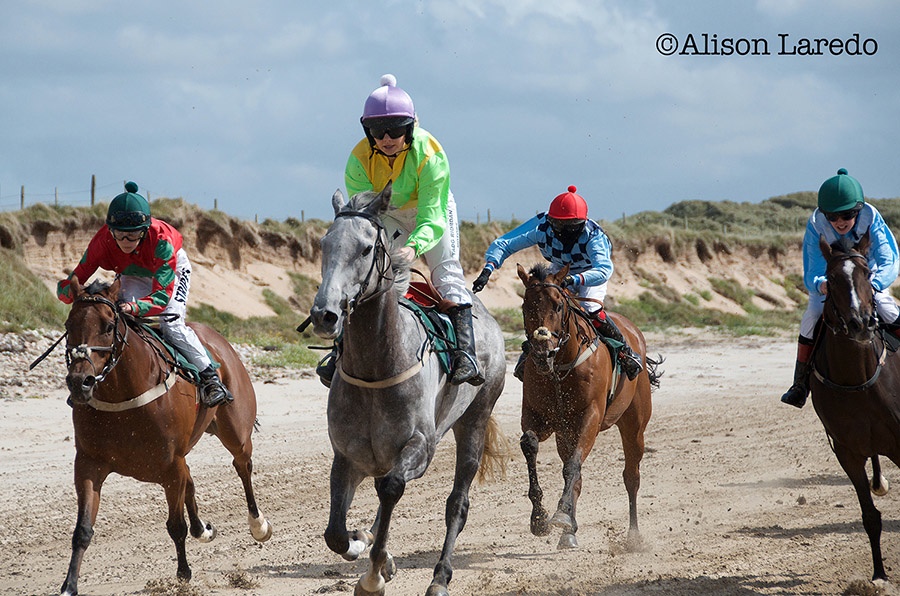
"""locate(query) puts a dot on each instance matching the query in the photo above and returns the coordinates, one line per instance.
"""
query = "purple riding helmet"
(387, 109)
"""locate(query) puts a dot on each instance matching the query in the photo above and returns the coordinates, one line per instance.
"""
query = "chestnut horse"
(135, 416)
(571, 389)
(855, 383)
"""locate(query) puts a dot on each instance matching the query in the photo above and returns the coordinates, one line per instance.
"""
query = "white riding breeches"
(593, 292)
(175, 331)
(885, 306)
(443, 260)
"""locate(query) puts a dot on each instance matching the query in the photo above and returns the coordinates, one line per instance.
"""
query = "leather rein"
(841, 328)
(586, 347)
(380, 265)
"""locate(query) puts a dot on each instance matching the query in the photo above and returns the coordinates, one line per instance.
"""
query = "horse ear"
(824, 247)
(863, 245)
(75, 287)
(337, 201)
(383, 202)
(562, 273)
(113, 291)
(523, 275)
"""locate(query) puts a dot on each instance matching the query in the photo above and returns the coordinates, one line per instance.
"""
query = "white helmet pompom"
(389, 80)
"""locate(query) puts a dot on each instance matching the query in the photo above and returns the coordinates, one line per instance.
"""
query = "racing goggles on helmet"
(128, 219)
(846, 215)
(567, 227)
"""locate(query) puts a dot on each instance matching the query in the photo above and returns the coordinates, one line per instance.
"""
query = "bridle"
(380, 265)
(839, 326)
(560, 371)
(84, 351)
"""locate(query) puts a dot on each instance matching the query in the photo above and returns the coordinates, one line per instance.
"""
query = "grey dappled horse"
(390, 402)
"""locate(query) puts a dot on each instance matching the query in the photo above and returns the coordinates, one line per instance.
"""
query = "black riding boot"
(327, 366)
(212, 391)
(796, 395)
(631, 362)
(465, 364)
(519, 371)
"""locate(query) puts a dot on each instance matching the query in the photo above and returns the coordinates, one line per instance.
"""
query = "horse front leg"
(529, 443)
(176, 488)
(855, 467)
(573, 448)
(89, 479)
(411, 462)
(345, 478)
(201, 530)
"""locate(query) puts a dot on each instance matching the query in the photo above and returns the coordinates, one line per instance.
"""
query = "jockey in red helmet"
(565, 236)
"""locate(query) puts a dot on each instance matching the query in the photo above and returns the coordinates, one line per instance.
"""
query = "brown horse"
(133, 415)
(571, 389)
(856, 383)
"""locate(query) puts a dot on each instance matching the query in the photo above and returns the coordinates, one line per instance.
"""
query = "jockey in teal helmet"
(155, 274)
(842, 213)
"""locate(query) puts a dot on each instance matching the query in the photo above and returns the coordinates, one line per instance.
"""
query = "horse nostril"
(330, 318)
(88, 383)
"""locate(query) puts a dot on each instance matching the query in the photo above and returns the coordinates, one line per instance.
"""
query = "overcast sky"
(256, 105)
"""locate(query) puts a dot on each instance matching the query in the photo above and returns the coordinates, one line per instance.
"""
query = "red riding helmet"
(568, 205)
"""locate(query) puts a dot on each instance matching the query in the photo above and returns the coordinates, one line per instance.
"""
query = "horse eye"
(559, 307)
(108, 328)
(367, 251)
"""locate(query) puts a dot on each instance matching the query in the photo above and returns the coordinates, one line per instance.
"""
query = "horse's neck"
(578, 329)
(848, 362)
(139, 369)
(373, 335)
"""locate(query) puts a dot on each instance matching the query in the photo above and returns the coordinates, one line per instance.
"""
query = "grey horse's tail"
(496, 453)
(653, 370)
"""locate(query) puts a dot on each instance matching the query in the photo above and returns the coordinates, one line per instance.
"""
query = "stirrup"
(214, 393)
(631, 364)
(795, 396)
(326, 368)
(465, 370)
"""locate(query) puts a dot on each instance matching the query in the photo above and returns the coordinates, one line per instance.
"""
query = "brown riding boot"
(631, 362)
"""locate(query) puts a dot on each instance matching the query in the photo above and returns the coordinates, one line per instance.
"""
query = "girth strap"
(141, 400)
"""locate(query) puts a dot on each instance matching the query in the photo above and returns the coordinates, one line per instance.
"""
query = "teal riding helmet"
(129, 211)
(840, 193)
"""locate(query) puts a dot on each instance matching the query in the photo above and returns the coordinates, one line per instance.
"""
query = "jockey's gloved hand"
(128, 308)
(481, 280)
(568, 282)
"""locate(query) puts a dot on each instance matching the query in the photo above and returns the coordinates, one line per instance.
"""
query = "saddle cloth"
(182, 364)
(421, 301)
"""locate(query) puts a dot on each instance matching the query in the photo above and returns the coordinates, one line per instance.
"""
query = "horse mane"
(400, 267)
(97, 286)
(539, 271)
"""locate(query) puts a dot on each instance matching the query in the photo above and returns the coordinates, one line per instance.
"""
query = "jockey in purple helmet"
(424, 220)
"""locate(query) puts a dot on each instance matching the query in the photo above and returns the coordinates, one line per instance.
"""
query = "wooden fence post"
(93, 188)
(22, 198)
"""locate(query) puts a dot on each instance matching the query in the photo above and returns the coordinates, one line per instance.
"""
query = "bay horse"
(390, 402)
(570, 389)
(855, 383)
(134, 416)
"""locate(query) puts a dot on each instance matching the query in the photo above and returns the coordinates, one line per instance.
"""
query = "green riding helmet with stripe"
(129, 211)
(841, 193)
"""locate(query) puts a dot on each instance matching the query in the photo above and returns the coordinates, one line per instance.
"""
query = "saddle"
(150, 333)
(424, 301)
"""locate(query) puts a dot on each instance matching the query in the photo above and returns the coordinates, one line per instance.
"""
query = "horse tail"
(653, 370)
(496, 453)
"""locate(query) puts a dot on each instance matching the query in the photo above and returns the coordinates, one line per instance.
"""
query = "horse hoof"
(390, 568)
(437, 590)
(567, 541)
(562, 521)
(539, 525)
(208, 534)
(260, 528)
(883, 487)
(377, 589)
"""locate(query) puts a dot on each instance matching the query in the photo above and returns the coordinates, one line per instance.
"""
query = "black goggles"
(567, 227)
(128, 219)
(395, 132)
(847, 215)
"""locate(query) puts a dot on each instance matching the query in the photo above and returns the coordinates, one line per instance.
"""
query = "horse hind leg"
(260, 528)
(879, 485)
(539, 522)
